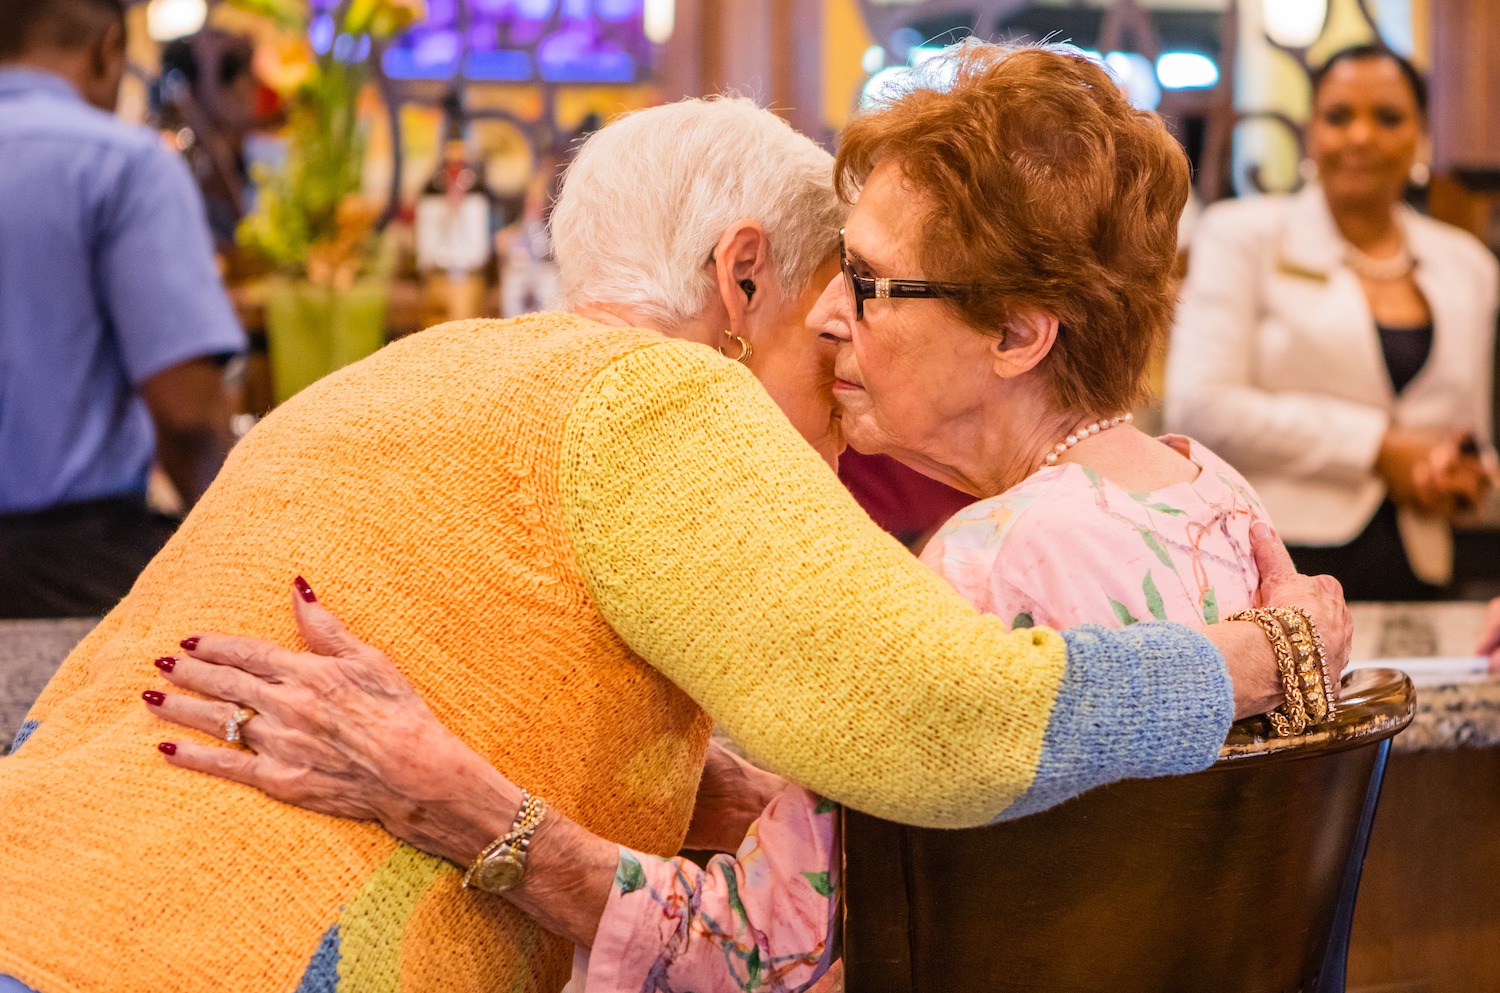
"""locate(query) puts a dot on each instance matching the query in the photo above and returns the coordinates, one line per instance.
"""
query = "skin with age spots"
(972, 409)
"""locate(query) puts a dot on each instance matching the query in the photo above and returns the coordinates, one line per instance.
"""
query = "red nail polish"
(153, 697)
(166, 663)
(188, 644)
(305, 591)
(167, 748)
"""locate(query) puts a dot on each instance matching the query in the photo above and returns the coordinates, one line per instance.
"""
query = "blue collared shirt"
(107, 277)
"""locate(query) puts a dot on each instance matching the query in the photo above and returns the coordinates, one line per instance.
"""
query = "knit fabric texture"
(417, 492)
(510, 510)
(824, 647)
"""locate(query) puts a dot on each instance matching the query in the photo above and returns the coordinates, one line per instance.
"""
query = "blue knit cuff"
(1153, 699)
(27, 727)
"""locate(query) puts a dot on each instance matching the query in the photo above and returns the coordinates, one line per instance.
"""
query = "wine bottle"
(453, 224)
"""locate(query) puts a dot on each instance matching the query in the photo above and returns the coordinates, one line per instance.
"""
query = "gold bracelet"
(1312, 663)
(1308, 679)
(514, 843)
(1328, 684)
(1291, 717)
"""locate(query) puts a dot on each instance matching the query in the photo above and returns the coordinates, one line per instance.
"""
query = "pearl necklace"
(1380, 270)
(1087, 431)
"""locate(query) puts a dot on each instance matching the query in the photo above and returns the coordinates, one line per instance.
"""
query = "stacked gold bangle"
(503, 861)
(1305, 677)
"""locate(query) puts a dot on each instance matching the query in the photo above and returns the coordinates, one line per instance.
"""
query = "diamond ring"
(237, 721)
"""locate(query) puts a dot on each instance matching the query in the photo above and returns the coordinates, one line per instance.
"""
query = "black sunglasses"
(864, 288)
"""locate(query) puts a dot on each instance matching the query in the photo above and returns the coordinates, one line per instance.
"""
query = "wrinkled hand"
(731, 796)
(1489, 641)
(1281, 585)
(337, 730)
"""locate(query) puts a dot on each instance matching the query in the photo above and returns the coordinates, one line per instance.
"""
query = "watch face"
(500, 872)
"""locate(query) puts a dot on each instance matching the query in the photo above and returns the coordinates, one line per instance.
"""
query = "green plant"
(309, 219)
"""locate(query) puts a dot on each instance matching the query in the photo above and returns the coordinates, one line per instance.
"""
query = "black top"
(1406, 351)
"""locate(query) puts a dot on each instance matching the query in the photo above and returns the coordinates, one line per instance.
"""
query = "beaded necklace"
(1087, 431)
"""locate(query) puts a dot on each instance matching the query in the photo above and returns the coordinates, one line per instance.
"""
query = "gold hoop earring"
(745, 350)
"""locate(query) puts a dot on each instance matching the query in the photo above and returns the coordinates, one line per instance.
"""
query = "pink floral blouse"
(1077, 550)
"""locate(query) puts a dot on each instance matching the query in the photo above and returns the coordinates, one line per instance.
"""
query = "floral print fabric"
(1063, 547)
(759, 921)
(1079, 549)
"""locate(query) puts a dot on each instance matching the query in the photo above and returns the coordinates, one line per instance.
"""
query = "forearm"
(731, 795)
(569, 870)
(191, 458)
(847, 666)
(568, 878)
(758, 922)
(1152, 699)
(190, 412)
(1252, 669)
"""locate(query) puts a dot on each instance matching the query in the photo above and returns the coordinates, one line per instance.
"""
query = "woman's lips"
(844, 384)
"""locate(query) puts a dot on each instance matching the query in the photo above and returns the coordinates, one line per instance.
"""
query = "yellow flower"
(285, 64)
(288, 15)
(381, 19)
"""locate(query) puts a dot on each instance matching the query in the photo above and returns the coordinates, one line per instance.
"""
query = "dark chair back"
(1237, 879)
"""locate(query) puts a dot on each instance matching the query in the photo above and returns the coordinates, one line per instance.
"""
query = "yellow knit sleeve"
(722, 549)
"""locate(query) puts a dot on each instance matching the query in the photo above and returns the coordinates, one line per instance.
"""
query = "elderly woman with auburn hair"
(536, 502)
(1006, 279)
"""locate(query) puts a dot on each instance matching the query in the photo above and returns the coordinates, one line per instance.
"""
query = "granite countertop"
(1452, 715)
(1449, 714)
(1463, 715)
(29, 653)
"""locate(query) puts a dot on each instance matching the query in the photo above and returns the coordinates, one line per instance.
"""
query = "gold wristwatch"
(502, 864)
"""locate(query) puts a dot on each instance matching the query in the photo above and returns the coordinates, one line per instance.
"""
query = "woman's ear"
(1025, 342)
(741, 259)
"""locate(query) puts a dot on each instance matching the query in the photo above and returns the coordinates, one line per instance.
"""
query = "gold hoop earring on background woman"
(745, 350)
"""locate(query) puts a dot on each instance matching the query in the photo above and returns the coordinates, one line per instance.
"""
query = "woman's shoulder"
(1218, 482)
(1249, 215)
(1018, 553)
(1067, 546)
(979, 547)
(1454, 243)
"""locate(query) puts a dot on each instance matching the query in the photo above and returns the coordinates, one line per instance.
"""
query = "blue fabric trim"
(322, 975)
(10, 985)
(1153, 699)
(27, 727)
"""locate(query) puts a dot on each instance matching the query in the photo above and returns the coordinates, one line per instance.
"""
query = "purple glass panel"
(562, 41)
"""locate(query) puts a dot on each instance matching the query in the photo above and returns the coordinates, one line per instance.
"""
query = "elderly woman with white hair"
(547, 523)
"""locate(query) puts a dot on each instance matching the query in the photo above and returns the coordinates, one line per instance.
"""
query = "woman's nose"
(829, 318)
(1359, 131)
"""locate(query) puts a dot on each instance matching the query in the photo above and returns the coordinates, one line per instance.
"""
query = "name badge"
(1296, 271)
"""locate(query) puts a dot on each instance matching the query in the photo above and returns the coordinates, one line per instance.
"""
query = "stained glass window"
(559, 41)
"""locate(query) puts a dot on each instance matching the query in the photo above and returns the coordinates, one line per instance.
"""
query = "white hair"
(649, 195)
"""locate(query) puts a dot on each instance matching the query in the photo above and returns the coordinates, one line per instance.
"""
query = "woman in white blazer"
(1337, 347)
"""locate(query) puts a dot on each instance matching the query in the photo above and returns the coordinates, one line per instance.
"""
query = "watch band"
(502, 864)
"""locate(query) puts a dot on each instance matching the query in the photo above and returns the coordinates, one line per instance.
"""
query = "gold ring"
(233, 727)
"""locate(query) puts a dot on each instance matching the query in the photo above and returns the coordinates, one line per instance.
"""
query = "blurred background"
(372, 167)
(463, 101)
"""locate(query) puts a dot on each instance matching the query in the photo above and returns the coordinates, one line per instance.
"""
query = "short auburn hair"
(1048, 192)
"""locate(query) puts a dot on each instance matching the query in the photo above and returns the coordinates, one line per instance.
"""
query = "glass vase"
(312, 330)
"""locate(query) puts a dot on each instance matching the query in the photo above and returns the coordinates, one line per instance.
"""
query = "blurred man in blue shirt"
(114, 325)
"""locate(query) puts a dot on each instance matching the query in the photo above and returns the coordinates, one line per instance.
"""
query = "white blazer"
(1276, 364)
